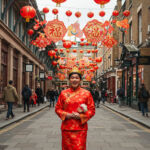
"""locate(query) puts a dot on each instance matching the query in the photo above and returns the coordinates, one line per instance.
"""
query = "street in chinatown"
(108, 130)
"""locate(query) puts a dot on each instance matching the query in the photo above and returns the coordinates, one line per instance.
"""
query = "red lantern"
(49, 77)
(61, 50)
(114, 21)
(126, 13)
(28, 12)
(54, 63)
(56, 50)
(88, 51)
(115, 13)
(67, 44)
(82, 39)
(74, 50)
(90, 14)
(58, 2)
(68, 13)
(93, 51)
(98, 59)
(87, 44)
(78, 14)
(102, 13)
(45, 10)
(30, 32)
(96, 67)
(102, 2)
(94, 82)
(96, 50)
(51, 53)
(81, 51)
(82, 44)
(67, 50)
(55, 11)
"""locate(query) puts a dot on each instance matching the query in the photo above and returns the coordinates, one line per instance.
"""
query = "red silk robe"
(74, 131)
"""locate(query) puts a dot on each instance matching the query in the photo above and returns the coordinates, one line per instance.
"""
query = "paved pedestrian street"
(107, 131)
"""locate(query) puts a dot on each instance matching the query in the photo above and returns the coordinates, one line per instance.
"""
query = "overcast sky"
(84, 6)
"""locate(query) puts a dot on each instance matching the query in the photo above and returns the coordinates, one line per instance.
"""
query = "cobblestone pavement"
(107, 131)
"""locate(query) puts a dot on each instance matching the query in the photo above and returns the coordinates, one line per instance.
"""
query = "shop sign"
(145, 60)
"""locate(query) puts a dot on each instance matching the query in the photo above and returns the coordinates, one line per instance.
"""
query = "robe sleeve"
(59, 108)
(91, 110)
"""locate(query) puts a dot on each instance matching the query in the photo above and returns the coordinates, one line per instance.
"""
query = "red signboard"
(94, 31)
(55, 30)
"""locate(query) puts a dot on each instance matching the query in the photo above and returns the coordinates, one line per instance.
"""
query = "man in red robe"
(75, 107)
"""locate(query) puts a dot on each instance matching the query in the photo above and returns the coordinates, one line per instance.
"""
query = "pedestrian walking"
(26, 94)
(103, 95)
(39, 94)
(10, 96)
(75, 107)
(120, 93)
(56, 95)
(143, 96)
(33, 98)
(97, 98)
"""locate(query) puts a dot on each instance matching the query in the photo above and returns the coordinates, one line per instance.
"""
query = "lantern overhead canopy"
(58, 2)
(102, 2)
(28, 12)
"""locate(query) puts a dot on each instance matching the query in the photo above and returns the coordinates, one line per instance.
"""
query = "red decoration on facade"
(55, 30)
(45, 10)
(101, 2)
(78, 14)
(90, 14)
(61, 50)
(114, 21)
(68, 13)
(94, 31)
(51, 53)
(126, 13)
(81, 51)
(30, 32)
(115, 13)
(55, 11)
(58, 2)
(102, 13)
(41, 41)
(109, 42)
(28, 12)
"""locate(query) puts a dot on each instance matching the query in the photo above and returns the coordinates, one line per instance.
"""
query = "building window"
(140, 27)
(4, 57)
(24, 73)
(130, 32)
(15, 68)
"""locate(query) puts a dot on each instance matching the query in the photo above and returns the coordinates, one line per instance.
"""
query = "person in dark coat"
(52, 97)
(39, 94)
(103, 95)
(26, 94)
(120, 94)
(97, 98)
(143, 96)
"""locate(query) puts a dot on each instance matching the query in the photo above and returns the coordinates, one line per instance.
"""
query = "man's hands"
(73, 115)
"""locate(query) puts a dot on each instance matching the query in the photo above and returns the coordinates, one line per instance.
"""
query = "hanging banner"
(55, 30)
(74, 30)
(94, 31)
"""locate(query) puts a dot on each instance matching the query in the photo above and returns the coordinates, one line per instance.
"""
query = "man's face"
(75, 81)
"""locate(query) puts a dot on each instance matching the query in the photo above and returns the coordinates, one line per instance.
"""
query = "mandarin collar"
(72, 90)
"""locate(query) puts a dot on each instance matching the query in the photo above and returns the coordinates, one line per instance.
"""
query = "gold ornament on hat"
(75, 70)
